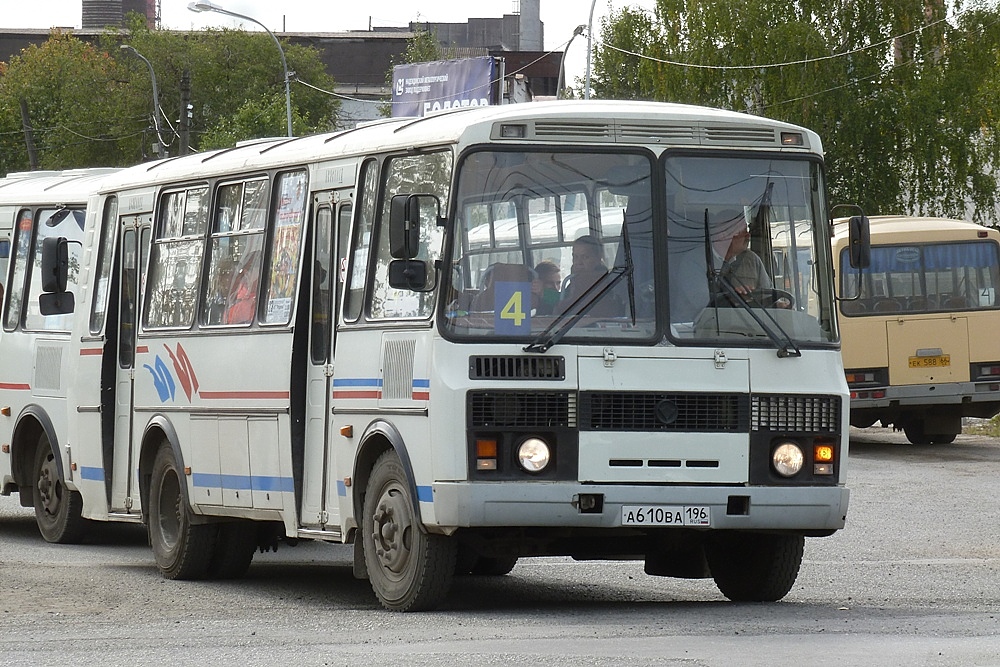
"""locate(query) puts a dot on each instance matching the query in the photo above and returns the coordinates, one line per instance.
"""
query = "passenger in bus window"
(545, 287)
(588, 267)
(243, 294)
(736, 262)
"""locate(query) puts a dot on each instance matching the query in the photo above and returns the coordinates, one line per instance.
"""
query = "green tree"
(230, 71)
(904, 99)
(61, 83)
(91, 105)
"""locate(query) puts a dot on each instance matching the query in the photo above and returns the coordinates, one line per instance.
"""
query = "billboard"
(422, 88)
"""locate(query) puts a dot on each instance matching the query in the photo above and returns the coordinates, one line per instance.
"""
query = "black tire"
(755, 567)
(235, 546)
(494, 567)
(465, 560)
(182, 550)
(58, 510)
(409, 569)
(917, 434)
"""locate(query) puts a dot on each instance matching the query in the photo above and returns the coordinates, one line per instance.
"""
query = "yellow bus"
(919, 325)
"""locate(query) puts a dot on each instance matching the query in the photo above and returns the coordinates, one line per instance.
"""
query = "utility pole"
(29, 137)
(184, 122)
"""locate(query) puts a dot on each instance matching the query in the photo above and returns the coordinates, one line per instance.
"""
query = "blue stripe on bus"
(426, 384)
(242, 482)
(92, 473)
(357, 382)
(425, 494)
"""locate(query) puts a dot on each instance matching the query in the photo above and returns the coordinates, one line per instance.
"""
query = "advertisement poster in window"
(289, 213)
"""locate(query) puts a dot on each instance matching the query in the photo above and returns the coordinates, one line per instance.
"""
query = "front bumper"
(506, 504)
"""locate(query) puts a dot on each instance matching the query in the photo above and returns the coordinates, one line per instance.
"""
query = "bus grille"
(522, 409)
(517, 368)
(658, 411)
(809, 414)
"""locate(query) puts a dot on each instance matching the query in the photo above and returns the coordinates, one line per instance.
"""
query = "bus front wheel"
(755, 567)
(182, 549)
(58, 510)
(409, 569)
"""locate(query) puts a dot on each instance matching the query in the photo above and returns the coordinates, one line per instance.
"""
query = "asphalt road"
(914, 579)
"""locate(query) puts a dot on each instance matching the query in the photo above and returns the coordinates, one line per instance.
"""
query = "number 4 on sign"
(511, 308)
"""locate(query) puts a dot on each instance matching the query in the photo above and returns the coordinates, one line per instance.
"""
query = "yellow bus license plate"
(931, 362)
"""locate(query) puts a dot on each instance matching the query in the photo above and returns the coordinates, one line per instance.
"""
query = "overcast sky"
(560, 17)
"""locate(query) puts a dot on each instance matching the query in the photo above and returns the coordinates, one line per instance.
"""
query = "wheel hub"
(392, 526)
(48, 487)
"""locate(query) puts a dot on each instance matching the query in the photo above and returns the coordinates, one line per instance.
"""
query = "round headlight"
(533, 454)
(787, 459)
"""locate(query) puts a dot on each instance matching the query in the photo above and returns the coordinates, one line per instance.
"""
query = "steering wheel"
(762, 298)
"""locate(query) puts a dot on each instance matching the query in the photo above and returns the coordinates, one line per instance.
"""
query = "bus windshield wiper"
(581, 305)
(786, 346)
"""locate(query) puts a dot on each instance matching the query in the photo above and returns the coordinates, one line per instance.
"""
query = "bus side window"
(177, 258)
(359, 252)
(288, 215)
(411, 174)
(15, 292)
(235, 252)
(109, 230)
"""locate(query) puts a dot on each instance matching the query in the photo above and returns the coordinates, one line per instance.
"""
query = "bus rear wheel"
(58, 510)
(182, 549)
(755, 567)
(409, 569)
(235, 546)
(916, 433)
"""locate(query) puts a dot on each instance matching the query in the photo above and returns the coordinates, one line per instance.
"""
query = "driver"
(736, 262)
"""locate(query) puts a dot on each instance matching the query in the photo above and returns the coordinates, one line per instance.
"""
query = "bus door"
(331, 226)
(134, 240)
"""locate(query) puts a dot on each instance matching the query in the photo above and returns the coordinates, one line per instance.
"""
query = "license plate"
(666, 515)
(931, 362)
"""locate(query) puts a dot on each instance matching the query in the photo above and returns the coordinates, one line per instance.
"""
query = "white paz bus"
(35, 346)
(347, 338)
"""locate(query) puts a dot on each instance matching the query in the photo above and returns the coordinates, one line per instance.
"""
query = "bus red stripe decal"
(221, 395)
(357, 394)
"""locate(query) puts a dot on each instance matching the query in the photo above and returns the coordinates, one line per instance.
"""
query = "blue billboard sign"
(422, 88)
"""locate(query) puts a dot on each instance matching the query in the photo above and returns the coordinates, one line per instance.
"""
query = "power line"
(804, 61)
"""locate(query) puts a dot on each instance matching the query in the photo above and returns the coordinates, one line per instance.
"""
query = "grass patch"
(990, 427)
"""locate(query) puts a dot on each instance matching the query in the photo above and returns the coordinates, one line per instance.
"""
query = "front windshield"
(539, 242)
(748, 254)
(540, 252)
(923, 278)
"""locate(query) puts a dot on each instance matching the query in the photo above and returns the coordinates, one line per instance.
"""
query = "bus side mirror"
(55, 300)
(404, 223)
(55, 264)
(409, 274)
(404, 226)
(859, 242)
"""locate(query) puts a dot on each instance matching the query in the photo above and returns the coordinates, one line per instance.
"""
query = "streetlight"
(590, 40)
(561, 82)
(160, 148)
(207, 6)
